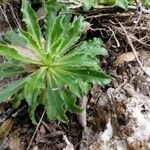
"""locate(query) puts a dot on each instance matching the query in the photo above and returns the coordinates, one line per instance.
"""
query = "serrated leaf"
(9, 73)
(10, 89)
(90, 48)
(32, 44)
(13, 54)
(84, 86)
(17, 99)
(31, 21)
(71, 35)
(33, 87)
(9, 69)
(69, 101)
(89, 75)
(80, 60)
(14, 38)
(53, 103)
(87, 4)
(52, 7)
(65, 80)
(61, 34)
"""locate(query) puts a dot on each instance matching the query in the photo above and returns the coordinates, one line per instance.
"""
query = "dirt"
(117, 115)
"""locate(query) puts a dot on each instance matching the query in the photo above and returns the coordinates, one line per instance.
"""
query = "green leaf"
(90, 48)
(70, 36)
(14, 38)
(10, 89)
(52, 8)
(122, 3)
(61, 34)
(145, 2)
(80, 61)
(9, 69)
(65, 80)
(87, 4)
(9, 73)
(17, 99)
(11, 53)
(33, 45)
(33, 87)
(31, 21)
(84, 86)
(54, 105)
(89, 75)
(69, 101)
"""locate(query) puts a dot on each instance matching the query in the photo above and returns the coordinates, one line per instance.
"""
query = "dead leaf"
(86, 27)
(25, 52)
(125, 57)
(15, 144)
(30, 68)
(40, 13)
(42, 130)
(6, 127)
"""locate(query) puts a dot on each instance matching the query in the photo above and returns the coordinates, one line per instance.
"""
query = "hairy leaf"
(70, 37)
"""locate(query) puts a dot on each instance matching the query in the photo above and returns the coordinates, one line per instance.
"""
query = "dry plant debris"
(117, 116)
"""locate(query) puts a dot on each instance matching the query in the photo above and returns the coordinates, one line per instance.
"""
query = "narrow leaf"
(52, 8)
(9, 69)
(69, 101)
(11, 53)
(32, 44)
(70, 37)
(31, 21)
(14, 38)
(54, 105)
(80, 60)
(17, 99)
(9, 73)
(90, 48)
(32, 90)
(10, 89)
(68, 81)
(89, 75)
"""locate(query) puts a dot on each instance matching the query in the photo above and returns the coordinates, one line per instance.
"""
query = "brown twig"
(133, 49)
(35, 131)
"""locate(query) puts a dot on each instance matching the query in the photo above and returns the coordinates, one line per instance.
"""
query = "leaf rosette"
(54, 68)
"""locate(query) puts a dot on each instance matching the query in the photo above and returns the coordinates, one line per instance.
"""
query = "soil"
(116, 116)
